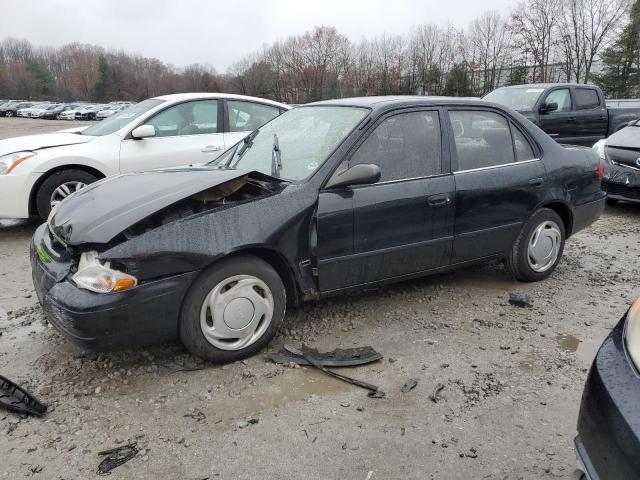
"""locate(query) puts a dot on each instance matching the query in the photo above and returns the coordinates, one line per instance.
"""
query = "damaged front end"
(621, 178)
(92, 295)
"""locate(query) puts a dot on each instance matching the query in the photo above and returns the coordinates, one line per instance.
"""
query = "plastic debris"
(13, 397)
(116, 457)
(435, 396)
(348, 357)
(374, 392)
(521, 300)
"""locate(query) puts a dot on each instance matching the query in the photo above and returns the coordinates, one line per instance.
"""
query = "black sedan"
(621, 152)
(328, 197)
(608, 441)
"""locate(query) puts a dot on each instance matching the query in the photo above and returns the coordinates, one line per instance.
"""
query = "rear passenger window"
(586, 99)
(523, 147)
(406, 145)
(482, 139)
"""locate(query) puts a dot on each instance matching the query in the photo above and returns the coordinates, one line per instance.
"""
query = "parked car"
(46, 111)
(89, 112)
(107, 112)
(26, 112)
(326, 198)
(621, 155)
(569, 113)
(608, 438)
(70, 114)
(11, 109)
(37, 171)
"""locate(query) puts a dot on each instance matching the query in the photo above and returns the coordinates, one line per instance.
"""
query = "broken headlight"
(101, 278)
(633, 333)
(11, 161)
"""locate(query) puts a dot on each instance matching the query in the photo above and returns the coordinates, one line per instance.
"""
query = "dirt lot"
(513, 378)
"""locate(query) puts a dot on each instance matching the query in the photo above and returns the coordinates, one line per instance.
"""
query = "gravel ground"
(512, 378)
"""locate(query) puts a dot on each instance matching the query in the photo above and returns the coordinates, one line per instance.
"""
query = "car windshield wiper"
(248, 143)
(276, 157)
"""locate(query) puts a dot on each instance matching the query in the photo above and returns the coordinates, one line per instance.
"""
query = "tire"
(58, 117)
(198, 324)
(551, 233)
(612, 201)
(55, 180)
(8, 113)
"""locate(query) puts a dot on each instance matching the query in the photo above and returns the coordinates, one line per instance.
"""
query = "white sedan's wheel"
(64, 190)
(237, 312)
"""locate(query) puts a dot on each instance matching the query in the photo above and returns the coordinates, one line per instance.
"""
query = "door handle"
(536, 181)
(211, 148)
(439, 199)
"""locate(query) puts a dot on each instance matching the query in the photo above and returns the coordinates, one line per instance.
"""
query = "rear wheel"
(8, 113)
(232, 310)
(59, 186)
(538, 248)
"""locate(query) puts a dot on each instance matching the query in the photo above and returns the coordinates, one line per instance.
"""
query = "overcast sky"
(219, 33)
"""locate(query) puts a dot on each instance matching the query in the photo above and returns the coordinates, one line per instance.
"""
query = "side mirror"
(143, 131)
(548, 107)
(360, 174)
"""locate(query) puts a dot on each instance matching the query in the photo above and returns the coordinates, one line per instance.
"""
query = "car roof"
(194, 96)
(547, 85)
(383, 102)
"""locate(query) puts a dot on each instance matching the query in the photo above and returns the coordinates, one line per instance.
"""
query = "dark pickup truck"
(568, 112)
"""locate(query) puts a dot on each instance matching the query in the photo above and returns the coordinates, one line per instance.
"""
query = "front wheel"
(59, 186)
(8, 113)
(538, 248)
(232, 310)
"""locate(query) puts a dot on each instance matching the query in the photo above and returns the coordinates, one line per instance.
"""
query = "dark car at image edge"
(621, 156)
(608, 441)
(327, 198)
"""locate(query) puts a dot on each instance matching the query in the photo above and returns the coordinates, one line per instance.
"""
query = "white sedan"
(39, 171)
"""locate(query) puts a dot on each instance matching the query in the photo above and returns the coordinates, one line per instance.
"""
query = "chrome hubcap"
(544, 246)
(64, 190)
(236, 312)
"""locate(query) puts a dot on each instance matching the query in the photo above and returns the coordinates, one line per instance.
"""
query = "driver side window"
(562, 97)
(406, 145)
(189, 118)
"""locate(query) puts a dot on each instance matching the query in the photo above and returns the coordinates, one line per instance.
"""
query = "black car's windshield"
(295, 144)
(518, 98)
(116, 122)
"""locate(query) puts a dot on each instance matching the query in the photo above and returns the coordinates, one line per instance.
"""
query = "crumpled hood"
(628, 137)
(37, 142)
(99, 212)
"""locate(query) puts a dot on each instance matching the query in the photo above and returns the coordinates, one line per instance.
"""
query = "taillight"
(600, 170)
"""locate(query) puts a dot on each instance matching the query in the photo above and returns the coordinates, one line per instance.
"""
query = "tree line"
(584, 41)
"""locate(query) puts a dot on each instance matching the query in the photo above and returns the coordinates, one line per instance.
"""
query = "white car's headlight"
(633, 333)
(11, 161)
(99, 278)
(599, 148)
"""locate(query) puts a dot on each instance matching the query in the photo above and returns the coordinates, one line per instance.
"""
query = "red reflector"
(600, 170)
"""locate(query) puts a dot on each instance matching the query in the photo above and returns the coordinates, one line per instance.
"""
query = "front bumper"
(14, 193)
(621, 182)
(608, 442)
(144, 315)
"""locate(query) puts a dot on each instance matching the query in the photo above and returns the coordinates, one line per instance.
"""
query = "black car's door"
(399, 226)
(592, 121)
(499, 181)
(561, 123)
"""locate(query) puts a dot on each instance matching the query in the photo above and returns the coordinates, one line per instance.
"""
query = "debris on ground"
(374, 392)
(435, 396)
(521, 300)
(348, 357)
(410, 385)
(174, 367)
(116, 457)
(13, 397)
